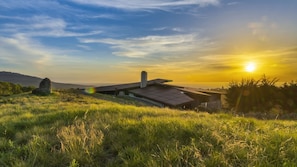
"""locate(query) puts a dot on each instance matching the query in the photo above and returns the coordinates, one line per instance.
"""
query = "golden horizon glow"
(250, 67)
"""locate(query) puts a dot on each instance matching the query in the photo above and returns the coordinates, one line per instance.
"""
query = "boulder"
(45, 88)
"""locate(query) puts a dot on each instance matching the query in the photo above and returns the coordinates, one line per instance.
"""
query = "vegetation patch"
(262, 96)
(71, 129)
(7, 88)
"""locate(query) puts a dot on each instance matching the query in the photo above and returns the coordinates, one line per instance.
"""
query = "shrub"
(253, 95)
(289, 90)
(262, 95)
(7, 88)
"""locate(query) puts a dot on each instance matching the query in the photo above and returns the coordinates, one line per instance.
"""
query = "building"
(158, 93)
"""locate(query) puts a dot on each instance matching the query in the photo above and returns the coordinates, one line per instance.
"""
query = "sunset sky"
(112, 41)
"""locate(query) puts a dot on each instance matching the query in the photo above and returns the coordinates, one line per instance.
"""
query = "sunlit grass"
(67, 129)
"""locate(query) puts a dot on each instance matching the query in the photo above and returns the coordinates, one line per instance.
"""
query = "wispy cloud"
(174, 29)
(84, 47)
(30, 4)
(159, 67)
(22, 54)
(260, 29)
(232, 3)
(44, 26)
(147, 4)
(160, 29)
(224, 65)
(22, 51)
(120, 4)
(154, 45)
(12, 17)
(104, 16)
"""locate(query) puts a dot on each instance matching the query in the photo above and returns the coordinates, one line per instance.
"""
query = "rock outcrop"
(45, 88)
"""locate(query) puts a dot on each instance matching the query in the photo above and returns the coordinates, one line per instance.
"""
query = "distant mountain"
(26, 80)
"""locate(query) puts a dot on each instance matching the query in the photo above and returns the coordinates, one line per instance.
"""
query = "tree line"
(7, 88)
(250, 95)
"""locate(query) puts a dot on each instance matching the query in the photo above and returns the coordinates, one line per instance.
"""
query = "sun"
(250, 67)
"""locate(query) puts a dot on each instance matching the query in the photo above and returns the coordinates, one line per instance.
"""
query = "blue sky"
(92, 41)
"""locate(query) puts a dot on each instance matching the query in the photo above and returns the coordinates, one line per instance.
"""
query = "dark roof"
(129, 85)
(174, 86)
(210, 91)
(193, 91)
(163, 94)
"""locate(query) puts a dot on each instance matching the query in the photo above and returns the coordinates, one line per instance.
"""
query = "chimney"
(143, 82)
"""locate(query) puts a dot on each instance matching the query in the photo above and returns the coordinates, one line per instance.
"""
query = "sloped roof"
(210, 91)
(129, 85)
(193, 91)
(163, 94)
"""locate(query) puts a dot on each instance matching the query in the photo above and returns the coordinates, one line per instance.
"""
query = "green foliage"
(7, 88)
(74, 163)
(244, 96)
(262, 95)
(27, 88)
(70, 129)
(289, 91)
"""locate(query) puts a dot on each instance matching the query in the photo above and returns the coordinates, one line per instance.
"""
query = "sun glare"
(250, 67)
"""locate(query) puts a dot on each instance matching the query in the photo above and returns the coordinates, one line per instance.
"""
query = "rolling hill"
(26, 80)
(73, 129)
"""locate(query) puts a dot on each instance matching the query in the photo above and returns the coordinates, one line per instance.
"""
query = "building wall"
(198, 99)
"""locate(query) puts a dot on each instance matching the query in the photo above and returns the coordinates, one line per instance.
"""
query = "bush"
(253, 95)
(7, 88)
(289, 91)
(262, 95)
(27, 88)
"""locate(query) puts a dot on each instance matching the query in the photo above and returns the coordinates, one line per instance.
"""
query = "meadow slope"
(68, 129)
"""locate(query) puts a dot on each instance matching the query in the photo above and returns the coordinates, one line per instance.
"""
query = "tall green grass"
(68, 129)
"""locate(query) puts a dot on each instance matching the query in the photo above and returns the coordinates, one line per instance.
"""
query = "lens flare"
(90, 90)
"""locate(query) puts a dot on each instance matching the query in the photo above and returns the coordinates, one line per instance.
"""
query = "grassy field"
(67, 129)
